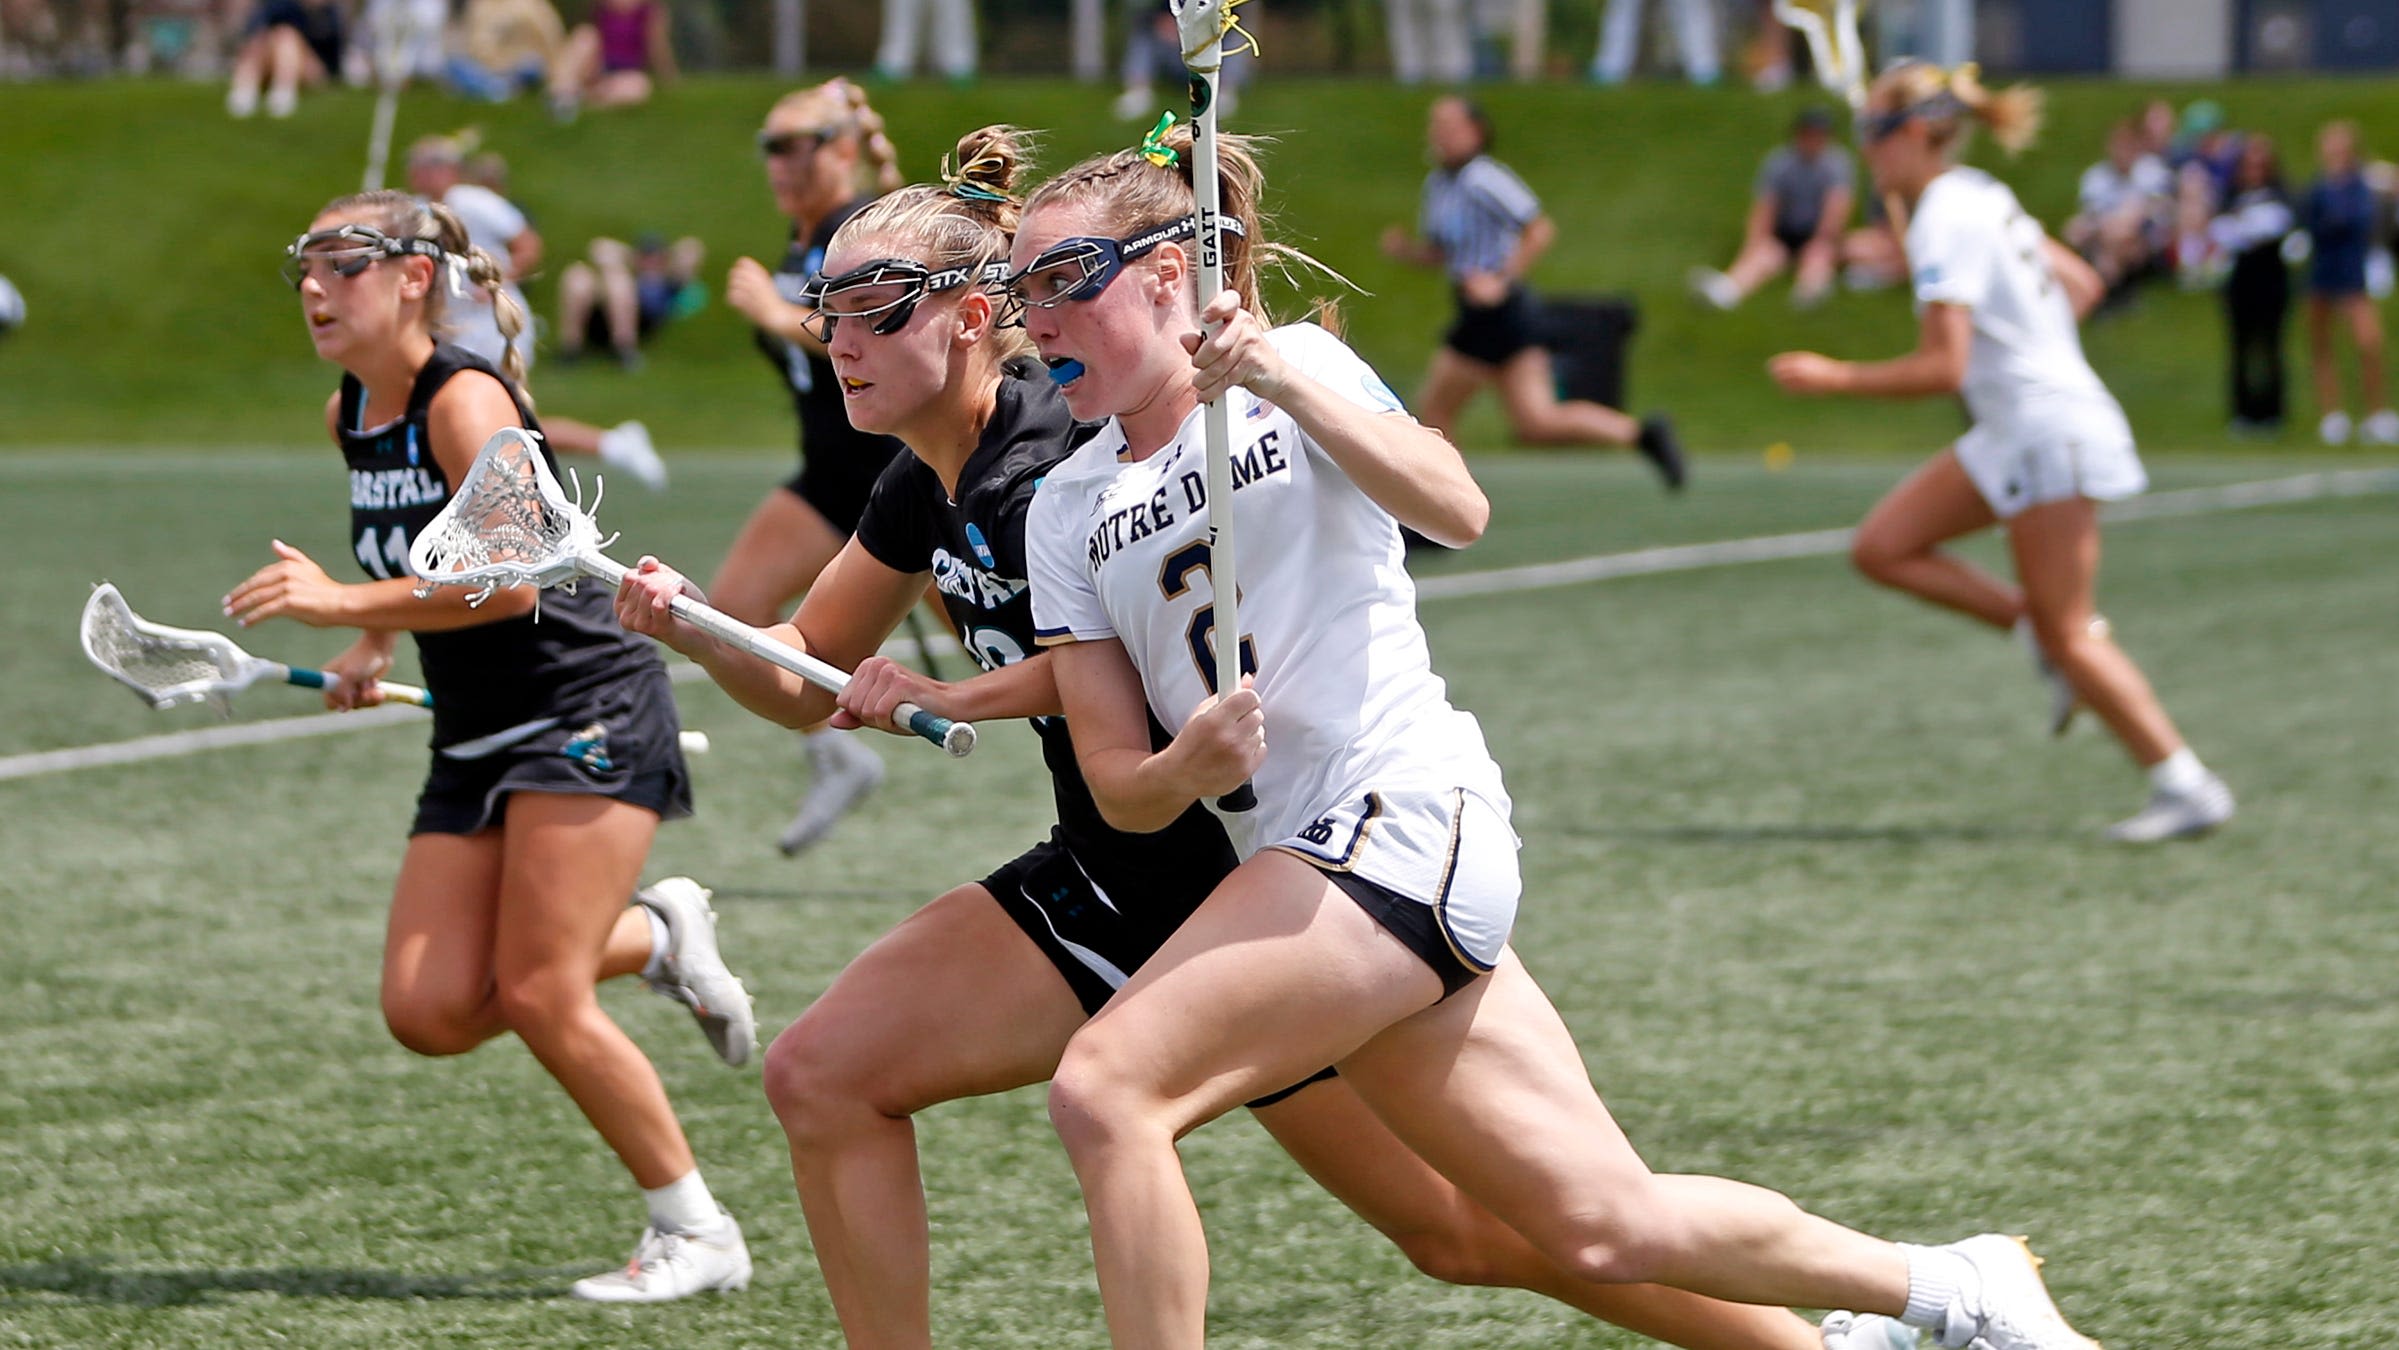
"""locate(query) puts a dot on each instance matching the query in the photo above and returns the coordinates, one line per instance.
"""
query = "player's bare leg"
(1898, 543)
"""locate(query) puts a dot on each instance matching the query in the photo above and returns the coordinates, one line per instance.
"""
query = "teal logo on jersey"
(1378, 393)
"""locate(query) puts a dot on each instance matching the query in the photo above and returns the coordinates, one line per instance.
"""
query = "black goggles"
(777, 144)
(893, 287)
(1083, 267)
(1875, 128)
(348, 250)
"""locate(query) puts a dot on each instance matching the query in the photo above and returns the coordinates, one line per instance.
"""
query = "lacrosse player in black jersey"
(554, 743)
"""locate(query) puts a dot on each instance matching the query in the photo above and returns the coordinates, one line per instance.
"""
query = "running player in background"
(1485, 228)
(554, 743)
(826, 156)
(2049, 443)
(1368, 925)
(978, 991)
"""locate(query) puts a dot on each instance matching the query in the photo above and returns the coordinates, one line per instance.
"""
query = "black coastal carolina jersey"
(825, 428)
(492, 676)
(975, 549)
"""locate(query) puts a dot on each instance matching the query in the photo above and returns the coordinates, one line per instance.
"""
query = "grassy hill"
(144, 227)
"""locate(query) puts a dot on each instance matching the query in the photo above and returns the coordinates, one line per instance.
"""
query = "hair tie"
(963, 188)
(456, 266)
(1154, 147)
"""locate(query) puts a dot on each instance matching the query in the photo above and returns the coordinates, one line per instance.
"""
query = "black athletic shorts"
(623, 742)
(1097, 934)
(1417, 925)
(1492, 334)
(838, 482)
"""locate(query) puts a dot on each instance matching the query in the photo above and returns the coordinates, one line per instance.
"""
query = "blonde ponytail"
(2012, 115)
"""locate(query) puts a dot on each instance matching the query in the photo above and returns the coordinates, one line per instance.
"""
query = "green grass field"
(1825, 909)
(144, 228)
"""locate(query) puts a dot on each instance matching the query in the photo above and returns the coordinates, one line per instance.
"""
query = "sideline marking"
(1602, 567)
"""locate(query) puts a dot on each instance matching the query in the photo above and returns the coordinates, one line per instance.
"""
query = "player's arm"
(750, 290)
(1538, 234)
(1409, 469)
(1137, 789)
(1945, 333)
(2084, 288)
(461, 418)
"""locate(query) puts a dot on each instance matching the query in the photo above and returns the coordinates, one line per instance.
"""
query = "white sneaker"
(675, 1265)
(1133, 105)
(694, 974)
(2382, 428)
(844, 773)
(2176, 815)
(2334, 429)
(1715, 287)
(241, 100)
(282, 102)
(2011, 1310)
(627, 446)
(1866, 1331)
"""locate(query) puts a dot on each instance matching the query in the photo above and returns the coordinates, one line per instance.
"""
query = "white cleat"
(2176, 815)
(1715, 287)
(668, 1266)
(2381, 428)
(2011, 1310)
(694, 972)
(843, 774)
(1866, 1331)
(627, 446)
(2334, 428)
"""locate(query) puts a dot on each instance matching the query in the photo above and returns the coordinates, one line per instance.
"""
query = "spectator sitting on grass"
(1797, 211)
(2125, 200)
(615, 60)
(288, 44)
(624, 293)
(501, 47)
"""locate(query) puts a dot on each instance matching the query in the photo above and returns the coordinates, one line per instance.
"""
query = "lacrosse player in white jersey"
(1368, 923)
(2048, 444)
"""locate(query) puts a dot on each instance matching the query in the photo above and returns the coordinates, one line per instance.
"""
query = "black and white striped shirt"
(1476, 213)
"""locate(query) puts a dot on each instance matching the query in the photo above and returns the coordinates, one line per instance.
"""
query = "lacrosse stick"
(1204, 25)
(395, 32)
(167, 666)
(1831, 30)
(510, 524)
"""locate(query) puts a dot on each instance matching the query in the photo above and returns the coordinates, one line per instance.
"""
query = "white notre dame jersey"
(1971, 244)
(1120, 550)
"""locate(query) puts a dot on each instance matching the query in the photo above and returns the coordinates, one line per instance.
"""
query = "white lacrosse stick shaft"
(1203, 24)
(512, 459)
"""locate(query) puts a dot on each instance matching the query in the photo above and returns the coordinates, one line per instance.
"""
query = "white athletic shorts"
(2052, 452)
(1450, 850)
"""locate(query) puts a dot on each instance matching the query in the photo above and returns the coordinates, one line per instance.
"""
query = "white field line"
(1603, 567)
(1817, 543)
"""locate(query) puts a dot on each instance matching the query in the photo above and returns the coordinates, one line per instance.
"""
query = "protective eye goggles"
(885, 292)
(347, 251)
(1875, 128)
(1083, 267)
(777, 144)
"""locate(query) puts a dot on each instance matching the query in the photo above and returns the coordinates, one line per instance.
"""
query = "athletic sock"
(659, 940)
(1937, 1279)
(2179, 772)
(682, 1205)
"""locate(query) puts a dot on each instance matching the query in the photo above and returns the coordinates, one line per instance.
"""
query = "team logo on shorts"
(589, 748)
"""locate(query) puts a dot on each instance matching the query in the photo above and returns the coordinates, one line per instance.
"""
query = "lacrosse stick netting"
(167, 666)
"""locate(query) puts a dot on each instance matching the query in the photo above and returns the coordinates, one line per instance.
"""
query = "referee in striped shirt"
(1484, 227)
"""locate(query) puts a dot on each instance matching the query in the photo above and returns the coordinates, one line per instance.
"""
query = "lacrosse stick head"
(1831, 30)
(508, 524)
(165, 666)
(1203, 26)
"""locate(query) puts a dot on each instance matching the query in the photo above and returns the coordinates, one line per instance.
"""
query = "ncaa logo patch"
(974, 540)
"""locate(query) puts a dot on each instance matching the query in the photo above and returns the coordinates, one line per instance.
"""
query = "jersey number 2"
(388, 560)
(1175, 580)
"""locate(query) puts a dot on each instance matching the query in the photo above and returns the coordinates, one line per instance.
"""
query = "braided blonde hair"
(839, 105)
(2012, 115)
(404, 217)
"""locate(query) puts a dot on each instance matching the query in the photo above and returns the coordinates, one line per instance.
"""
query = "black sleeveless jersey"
(975, 549)
(825, 430)
(492, 676)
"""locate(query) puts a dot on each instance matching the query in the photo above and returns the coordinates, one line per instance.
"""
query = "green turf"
(1824, 909)
(143, 226)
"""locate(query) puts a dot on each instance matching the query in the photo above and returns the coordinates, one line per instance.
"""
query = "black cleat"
(1659, 446)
